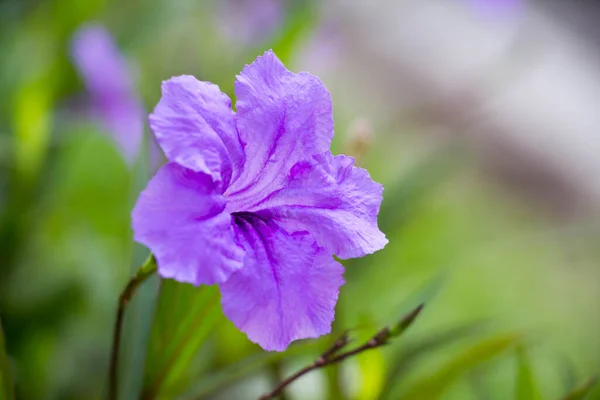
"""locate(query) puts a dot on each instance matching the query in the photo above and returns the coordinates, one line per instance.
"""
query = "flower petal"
(287, 289)
(333, 200)
(194, 124)
(108, 79)
(180, 217)
(282, 118)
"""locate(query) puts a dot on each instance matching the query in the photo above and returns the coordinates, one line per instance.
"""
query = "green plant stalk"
(143, 273)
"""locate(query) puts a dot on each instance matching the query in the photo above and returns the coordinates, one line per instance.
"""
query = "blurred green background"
(511, 287)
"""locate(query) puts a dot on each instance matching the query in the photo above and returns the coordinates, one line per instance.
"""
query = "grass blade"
(526, 388)
(185, 316)
(434, 385)
(581, 392)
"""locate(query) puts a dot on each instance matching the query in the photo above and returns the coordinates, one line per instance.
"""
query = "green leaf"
(413, 352)
(526, 388)
(581, 392)
(568, 373)
(185, 315)
(434, 385)
(6, 383)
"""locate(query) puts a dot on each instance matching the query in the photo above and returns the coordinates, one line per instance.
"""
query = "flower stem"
(379, 339)
(143, 273)
(333, 355)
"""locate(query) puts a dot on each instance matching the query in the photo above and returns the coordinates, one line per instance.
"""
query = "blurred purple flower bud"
(497, 8)
(250, 21)
(108, 80)
(323, 51)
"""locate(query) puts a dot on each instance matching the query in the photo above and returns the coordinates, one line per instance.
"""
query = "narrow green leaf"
(568, 373)
(415, 351)
(6, 383)
(433, 385)
(526, 388)
(185, 315)
(581, 392)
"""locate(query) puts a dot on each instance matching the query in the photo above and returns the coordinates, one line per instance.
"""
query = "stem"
(333, 356)
(333, 374)
(143, 273)
(330, 357)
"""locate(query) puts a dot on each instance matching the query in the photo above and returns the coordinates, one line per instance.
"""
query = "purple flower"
(497, 8)
(250, 21)
(255, 201)
(108, 80)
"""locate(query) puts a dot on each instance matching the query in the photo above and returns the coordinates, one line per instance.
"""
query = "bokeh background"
(480, 117)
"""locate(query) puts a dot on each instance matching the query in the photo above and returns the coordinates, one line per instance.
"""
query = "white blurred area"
(519, 85)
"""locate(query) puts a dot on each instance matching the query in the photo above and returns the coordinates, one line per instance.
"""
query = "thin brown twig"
(339, 344)
(332, 355)
(378, 340)
(143, 273)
